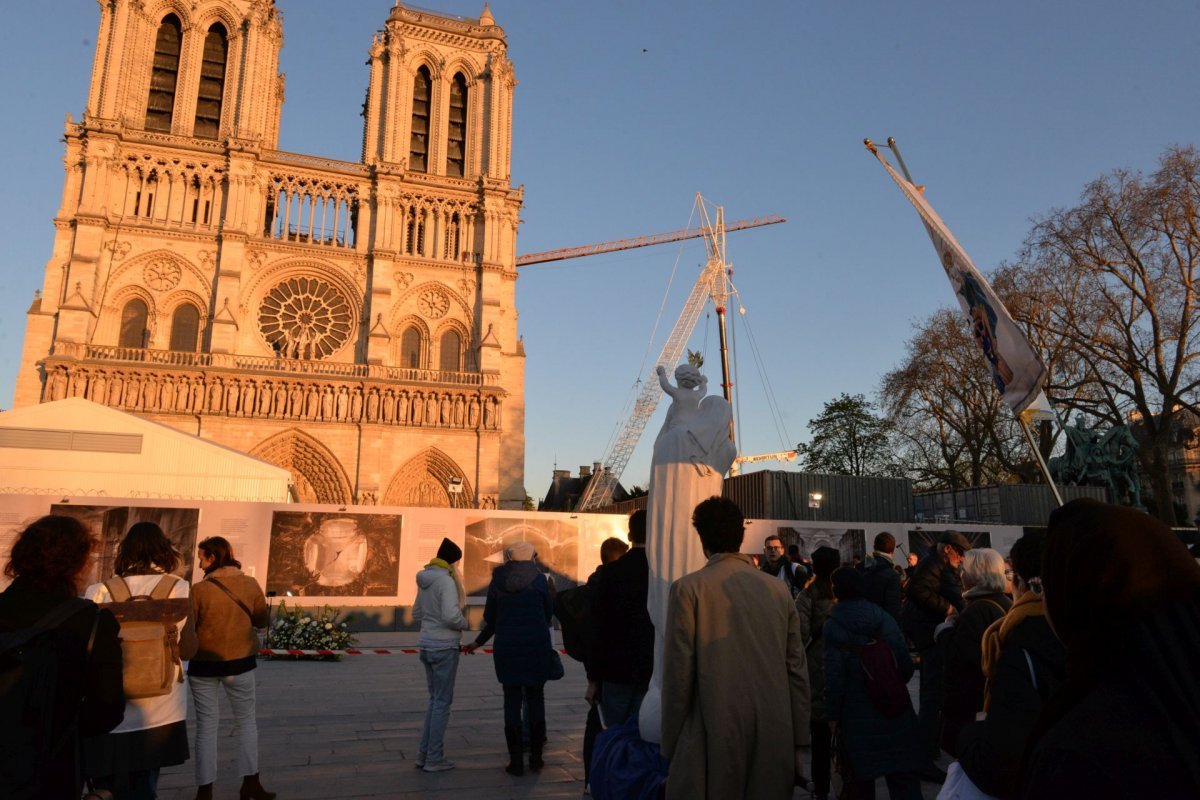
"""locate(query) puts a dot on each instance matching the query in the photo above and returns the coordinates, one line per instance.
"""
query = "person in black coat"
(623, 652)
(518, 611)
(882, 576)
(47, 564)
(1123, 595)
(961, 641)
(932, 594)
(611, 549)
(1025, 664)
(871, 745)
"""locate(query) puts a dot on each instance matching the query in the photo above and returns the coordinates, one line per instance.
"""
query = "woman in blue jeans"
(518, 611)
(439, 609)
(228, 607)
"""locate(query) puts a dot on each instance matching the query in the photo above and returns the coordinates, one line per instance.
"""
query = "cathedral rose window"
(305, 318)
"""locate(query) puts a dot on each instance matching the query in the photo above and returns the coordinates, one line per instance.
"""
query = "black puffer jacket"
(964, 679)
(930, 593)
(1031, 667)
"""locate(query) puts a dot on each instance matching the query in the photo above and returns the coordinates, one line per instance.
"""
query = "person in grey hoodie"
(439, 609)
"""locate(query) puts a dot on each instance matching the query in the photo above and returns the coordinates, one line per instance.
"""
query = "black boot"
(516, 766)
(204, 792)
(537, 738)
(253, 790)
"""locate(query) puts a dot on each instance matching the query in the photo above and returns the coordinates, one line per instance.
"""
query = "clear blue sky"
(625, 109)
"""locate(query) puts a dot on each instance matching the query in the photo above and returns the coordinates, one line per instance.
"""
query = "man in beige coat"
(735, 682)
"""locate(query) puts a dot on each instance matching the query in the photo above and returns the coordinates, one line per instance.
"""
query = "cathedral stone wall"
(354, 323)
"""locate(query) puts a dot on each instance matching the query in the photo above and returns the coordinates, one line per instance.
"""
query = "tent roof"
(82, 447)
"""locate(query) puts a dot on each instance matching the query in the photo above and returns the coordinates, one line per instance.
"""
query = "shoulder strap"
(233, 596)
(993, 602)
(52, 619)
(118, 589)
(164, 587)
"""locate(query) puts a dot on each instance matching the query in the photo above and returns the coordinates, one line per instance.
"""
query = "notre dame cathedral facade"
(351, 322)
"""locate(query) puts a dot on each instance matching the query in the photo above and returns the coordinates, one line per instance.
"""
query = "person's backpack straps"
(118, 589)
(233, 596)
(51, 620)
(164, 587)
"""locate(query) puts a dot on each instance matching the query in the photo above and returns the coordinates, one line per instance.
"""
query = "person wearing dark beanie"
(439, 610)
(815, 603)
(872, 744)
(449, 552)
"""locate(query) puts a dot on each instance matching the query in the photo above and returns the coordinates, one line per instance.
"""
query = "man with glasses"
(775, 562)
(932, 594)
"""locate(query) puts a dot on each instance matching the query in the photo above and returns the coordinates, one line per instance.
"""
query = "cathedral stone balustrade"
(296, 366)
(232, 394)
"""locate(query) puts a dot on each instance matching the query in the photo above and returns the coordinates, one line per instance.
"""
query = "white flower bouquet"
(310, 629)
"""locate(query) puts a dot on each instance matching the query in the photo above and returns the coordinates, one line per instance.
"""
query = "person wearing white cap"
(518, 610)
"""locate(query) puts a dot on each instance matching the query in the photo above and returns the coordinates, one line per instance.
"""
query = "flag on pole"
(1017, 369)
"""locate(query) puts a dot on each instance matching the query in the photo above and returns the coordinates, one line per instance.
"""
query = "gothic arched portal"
(317, 476)
(425, 481)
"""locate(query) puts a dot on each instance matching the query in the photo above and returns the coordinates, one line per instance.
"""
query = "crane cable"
(768, 391)
(635, 388)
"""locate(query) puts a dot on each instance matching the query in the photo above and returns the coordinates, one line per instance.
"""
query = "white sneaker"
(439, 766)
(587, 788)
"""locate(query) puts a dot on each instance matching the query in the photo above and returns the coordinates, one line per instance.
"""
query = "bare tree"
(950, 426)
(1115, 282)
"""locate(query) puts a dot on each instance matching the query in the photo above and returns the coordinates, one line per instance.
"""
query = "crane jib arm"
(641, 241)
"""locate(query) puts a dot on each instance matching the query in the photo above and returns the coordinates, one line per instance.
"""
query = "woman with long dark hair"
(1122, 593)
(153, 734)
(58, 635)
(229, 607)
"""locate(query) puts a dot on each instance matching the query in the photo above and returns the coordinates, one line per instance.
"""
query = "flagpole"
(1037, 454)
(1020, 417)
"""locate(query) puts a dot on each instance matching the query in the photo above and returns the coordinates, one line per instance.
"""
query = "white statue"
(691, 456)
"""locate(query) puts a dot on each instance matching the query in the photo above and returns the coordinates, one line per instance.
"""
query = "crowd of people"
(93, 685)
(1063, 670)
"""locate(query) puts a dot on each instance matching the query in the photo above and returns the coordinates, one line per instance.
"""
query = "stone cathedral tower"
(351, 322)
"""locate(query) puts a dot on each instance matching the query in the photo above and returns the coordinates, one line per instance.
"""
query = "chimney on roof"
(596, 467)
(585, 471)
(562, 473)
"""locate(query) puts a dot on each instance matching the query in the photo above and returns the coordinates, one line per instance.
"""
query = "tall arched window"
(450, 352)
(418, 148)
(185, 328)
(456, 134)
(410, 348)
(133, 323)
(160, 108)
(212, 83)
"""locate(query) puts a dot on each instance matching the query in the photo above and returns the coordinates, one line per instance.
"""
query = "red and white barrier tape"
(396, 651)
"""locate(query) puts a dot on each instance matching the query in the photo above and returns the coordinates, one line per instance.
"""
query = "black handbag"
(556, 666)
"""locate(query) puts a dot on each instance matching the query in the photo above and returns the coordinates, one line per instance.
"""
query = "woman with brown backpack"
(229, 607)
(154, 609)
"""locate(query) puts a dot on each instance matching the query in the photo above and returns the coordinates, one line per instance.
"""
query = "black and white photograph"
(850, 542)
(920, 541)
(334, 554)
(111, 523)
(556, 542)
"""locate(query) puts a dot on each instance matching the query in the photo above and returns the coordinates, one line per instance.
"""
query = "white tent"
(77, 448)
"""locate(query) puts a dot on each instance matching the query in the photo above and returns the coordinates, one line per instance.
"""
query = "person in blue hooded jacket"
(870, 744)
(518, 610)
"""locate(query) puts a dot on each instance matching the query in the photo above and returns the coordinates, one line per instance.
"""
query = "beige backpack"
(149, 636)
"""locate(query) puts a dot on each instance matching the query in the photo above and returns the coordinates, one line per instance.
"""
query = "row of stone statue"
(278, 399)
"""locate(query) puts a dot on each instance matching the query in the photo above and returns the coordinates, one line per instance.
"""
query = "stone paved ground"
(350, 730)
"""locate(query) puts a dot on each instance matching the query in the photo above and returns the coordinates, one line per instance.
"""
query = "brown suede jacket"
(225, 630)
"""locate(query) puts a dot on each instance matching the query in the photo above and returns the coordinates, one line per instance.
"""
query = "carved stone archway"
(425, 481)
(316, 473)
